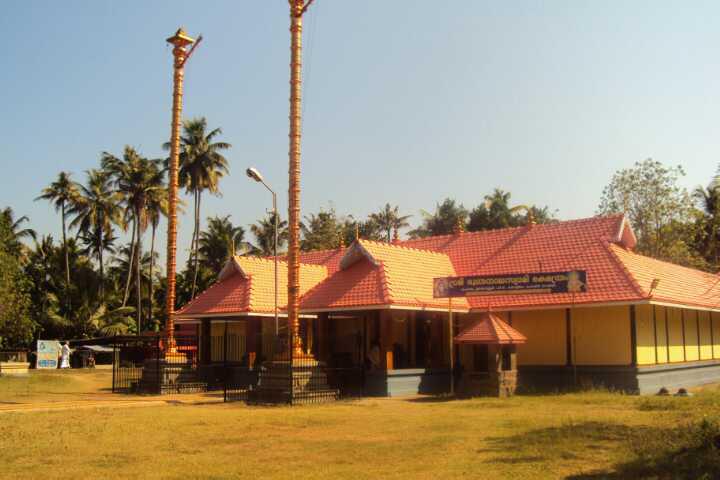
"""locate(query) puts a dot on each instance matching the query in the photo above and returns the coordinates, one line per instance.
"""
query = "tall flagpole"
(297, 9)
(180, 40)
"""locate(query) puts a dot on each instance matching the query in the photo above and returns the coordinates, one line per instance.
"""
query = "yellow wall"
(705, 336)
(661, 329)
(545, 331)
(675, 335)
(645, 334)
(716, 333)
(235, 341)
(692, 352)
(601, 335)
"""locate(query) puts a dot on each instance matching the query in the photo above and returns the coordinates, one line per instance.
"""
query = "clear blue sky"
(407, 101)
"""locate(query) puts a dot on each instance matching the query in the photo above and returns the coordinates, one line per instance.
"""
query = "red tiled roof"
(372, 274)
(246, 284)
(490, 329)
(675, 284)
(377, 273)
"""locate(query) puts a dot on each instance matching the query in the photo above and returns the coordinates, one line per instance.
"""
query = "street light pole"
(297, 9)
(255, 175)
(180, 40)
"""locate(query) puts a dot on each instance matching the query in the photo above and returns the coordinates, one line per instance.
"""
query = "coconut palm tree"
(264, 232)
(390, 220)
(61, 193)
(220, 242)
(136, 178)
(17, 233)
(202, 165)
(96, 210)
(157, 207)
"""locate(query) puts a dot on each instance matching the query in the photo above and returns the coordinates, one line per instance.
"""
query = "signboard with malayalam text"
(574, 281)
(48, 352)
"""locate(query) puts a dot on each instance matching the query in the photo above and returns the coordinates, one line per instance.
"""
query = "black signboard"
(515, 283)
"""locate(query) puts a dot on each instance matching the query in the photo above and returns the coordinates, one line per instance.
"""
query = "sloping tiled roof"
(562, 246)
(377, 273)
(247, 285)
(371, 274)
(490, 329)
(675, 284)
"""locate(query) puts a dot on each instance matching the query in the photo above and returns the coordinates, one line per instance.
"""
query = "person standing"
(65, 356)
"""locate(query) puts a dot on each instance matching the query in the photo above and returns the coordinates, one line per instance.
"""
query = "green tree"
(96, 209)
(16, 233)
(16, 325)
(264, 232)
(496, 212)
(61, 193)
(659, 209)
(447, 217)
(202, 165)
(367, 230)
(321, 231)
(220, 242)
(136, 179)
(390, 221)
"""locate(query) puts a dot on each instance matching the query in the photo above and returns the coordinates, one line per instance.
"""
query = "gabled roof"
(490, 329)
(371, 274)
(246, 285)
(376, 273)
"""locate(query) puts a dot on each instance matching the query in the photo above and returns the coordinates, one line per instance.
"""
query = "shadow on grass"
(687, 451)
(433, 399)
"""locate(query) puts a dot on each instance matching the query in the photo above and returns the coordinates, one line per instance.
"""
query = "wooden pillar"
(633, 337)
(386, 347)
(323, 340)
(251, 338)
(206, 345)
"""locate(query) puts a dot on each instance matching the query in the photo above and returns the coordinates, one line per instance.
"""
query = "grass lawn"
(583, 435)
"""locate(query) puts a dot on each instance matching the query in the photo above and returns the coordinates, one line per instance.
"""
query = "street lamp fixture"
(253, 173)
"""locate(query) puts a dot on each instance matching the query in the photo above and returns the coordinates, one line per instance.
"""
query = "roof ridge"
(271, 260)
(403, 247)
(628, 273)
(505, 229)
(386, 283)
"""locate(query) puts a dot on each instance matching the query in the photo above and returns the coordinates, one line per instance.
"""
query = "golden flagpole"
(180, 40)
(297, 9)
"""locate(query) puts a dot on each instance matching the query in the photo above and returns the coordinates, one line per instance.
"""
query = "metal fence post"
(115, 362)
(157, 365)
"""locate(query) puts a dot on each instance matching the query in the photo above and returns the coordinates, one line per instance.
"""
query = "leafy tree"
(15, 231)
(264, 232)
(496, 212)
(660, 211)
(96, 209)
(447, 217)
(136, 179)
(16, 326)
(202, 165)
(321, 231)
(220, 242)
(367, 230)
(61, 193)
(390, 221)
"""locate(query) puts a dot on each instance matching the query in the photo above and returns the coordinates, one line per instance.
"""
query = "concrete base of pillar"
(301, 382)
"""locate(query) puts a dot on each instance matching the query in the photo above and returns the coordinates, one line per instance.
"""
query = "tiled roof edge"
(628, 273)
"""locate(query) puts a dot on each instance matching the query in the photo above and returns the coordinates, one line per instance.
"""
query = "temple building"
(370, 314)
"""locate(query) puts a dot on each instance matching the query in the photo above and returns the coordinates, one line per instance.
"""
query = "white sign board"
(48, 352)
